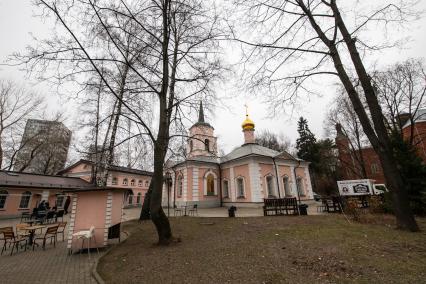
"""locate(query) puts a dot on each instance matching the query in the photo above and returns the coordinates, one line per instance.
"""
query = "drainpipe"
(174, 189)
(276, 177)
(220, 185)
(295, 181)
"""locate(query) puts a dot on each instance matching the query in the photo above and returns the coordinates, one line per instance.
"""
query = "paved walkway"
(52, 265)
(133, 213)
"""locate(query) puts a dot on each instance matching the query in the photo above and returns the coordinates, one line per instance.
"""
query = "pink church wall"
(243, 171)
(225, 175)
(189, 184)
(266, 169)
(201, 178)
(300, 172)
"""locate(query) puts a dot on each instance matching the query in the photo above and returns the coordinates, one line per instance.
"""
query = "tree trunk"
(381, 143)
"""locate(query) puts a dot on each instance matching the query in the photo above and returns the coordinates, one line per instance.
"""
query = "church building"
(243, 177)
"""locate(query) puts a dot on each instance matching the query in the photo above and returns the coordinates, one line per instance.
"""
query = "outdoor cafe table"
(31, 230)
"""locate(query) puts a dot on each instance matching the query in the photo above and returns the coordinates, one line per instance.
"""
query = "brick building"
(351, 162)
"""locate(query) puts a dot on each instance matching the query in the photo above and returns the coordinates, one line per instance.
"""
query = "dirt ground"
(317, 249)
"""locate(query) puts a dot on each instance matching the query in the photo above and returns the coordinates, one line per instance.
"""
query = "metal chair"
(5, 229)
(11, 239)
(61, 229)
(20, 230)
(25, 216)
(50, 216)
(59, 214)
(178, 211)
(50, 234)
(193, 210)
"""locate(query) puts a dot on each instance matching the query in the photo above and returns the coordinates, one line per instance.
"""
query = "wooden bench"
(280, 206)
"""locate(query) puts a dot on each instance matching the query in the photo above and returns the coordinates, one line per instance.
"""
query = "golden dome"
(248, 124)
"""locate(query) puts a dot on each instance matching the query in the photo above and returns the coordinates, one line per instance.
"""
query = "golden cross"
(246, 109)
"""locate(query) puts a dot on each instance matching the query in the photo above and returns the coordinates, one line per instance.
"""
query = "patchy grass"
(319, 249)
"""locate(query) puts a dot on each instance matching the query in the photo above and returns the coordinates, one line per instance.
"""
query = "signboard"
(355, 187)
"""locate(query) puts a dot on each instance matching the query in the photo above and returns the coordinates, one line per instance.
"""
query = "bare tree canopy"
(273, 141)
(152, 60)
(16, 105)
(319, 40)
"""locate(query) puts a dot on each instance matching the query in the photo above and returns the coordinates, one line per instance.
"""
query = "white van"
(360, 187)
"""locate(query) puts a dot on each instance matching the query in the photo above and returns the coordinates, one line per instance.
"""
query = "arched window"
(130, 198)
(3, 197)
(140, 183)
(146, 183)
(60, 201)
(114, 181)
(300, 187)
(138, 198)
(25, 199)
(286, 184)
(125, 181)
(132, 182)
(191, 145)
(374, 168)
(225, 189)
(180, 186)
(270, 186)
(240, 188)
(210, 184)
(207, 144)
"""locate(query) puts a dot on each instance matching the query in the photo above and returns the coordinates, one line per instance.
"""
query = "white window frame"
(4, 193)
(214, 182)
(301, 191)
(237, 189)
(29, 200)
(227, 188)
(179, 192)
(289, 186)
(274, 190)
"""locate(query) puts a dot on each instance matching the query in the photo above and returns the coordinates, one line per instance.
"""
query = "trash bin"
(303, 209)
(231, 211)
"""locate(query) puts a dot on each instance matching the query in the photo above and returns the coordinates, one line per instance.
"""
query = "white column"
(195, 190)
(108, 217)
(254, 171)
(309, 193)
(185, 184)
(232, 184)
(294, 185)
(72, 220)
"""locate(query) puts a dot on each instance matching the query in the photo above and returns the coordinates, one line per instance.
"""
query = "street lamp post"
(168, 181)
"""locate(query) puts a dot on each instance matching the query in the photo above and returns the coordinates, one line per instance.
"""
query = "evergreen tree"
(306, 143)
(413, 172)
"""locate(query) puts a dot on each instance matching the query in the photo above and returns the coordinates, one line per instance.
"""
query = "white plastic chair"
(86, 235)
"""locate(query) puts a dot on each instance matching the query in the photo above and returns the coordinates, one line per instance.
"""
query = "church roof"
(254, 149)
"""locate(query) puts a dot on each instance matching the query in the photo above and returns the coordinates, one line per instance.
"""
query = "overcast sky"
(17, 24)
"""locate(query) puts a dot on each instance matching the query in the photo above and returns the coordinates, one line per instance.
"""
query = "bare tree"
(16, 105)
(341, 115)
(315, 35)
(402, 93)
(273, 141)
(177, 61)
